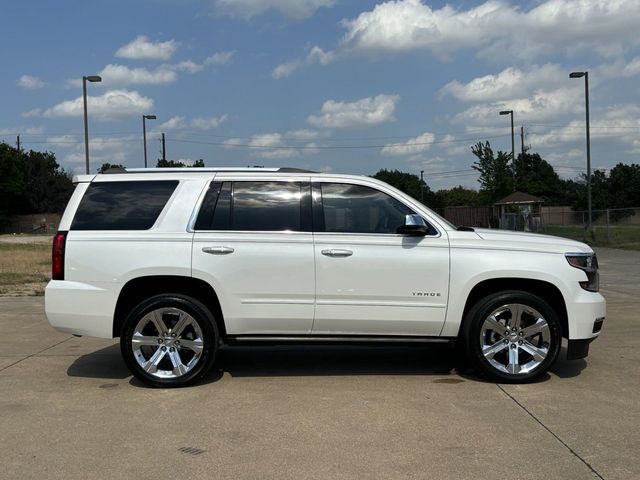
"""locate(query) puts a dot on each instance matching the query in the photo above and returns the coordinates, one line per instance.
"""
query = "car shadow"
(564, 368)
(311, 360)
(105, 363)
(292, 361)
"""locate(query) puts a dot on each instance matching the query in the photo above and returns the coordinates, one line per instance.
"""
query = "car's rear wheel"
(512, 336)
(169, 340)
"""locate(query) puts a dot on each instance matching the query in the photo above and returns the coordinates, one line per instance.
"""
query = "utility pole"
(422, 186)
(586, 101)
(522, 142)
(164, 151)
(513, 149)
(18, 142)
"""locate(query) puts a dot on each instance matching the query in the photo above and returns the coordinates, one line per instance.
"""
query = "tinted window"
(122, 205)
(266, 206)
(358, 209)
(258, 206)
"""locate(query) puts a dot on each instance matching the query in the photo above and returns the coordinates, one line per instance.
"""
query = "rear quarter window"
(122, 205)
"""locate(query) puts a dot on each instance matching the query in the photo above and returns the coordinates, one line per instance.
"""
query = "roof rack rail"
(114, 170)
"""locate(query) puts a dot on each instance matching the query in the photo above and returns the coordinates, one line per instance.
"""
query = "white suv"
(177, 261)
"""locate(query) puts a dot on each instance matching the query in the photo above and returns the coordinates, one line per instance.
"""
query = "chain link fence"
(617, 227)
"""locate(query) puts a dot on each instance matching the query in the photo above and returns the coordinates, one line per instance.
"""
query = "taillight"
(57, 256)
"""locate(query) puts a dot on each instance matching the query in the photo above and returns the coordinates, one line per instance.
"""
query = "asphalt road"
(69, 409)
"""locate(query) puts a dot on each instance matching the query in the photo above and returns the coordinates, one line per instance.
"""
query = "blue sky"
(332, 85)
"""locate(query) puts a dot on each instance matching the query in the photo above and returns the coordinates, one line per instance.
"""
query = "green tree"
(47, 186)
(408, 183)
(31, 182)
(107, 166)
(12, 182)
(496, 176)
(536, 176)
(178, 164)
(458, 196)
(624, 186)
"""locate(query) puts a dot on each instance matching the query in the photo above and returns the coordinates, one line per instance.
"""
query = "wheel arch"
(545, 290)
(138, 289)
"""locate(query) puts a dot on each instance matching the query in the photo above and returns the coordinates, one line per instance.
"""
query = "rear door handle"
(337, 252)
(218, 250)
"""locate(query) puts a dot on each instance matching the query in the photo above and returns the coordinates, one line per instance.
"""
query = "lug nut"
(520, 333)
(163, 348)
(159, 340)
(164, 334)
(513, 345)
(172, 349)
(520, 342)
(177, 342)
(173, 335)
(506, 341)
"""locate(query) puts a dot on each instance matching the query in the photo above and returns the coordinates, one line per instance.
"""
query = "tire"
(508, 351)
(169, 340)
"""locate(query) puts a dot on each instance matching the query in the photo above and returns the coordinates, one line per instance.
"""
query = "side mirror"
(413, 225)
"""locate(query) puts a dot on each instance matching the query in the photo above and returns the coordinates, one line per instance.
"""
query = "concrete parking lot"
(69, 409)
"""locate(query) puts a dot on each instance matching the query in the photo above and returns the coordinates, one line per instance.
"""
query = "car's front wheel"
(169, 340)
(512, 336)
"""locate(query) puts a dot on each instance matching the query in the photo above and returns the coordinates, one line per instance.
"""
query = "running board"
(333, 339)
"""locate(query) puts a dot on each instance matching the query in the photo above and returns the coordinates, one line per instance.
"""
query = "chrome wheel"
(515, 339)
(167, 343)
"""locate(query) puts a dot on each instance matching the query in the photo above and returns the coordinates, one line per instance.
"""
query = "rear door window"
(256, 206)
(132, 205)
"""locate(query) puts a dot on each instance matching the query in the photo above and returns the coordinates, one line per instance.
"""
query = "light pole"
(422, 186)
(513, 148)
(586, 100)
(90, 78)
(144, 134)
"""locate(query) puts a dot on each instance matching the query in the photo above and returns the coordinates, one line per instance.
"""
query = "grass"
(616, 236)
(25, 269)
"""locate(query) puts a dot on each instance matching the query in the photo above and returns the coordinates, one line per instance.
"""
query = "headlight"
(588, 263)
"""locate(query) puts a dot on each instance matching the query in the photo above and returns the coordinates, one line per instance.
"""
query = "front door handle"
(218, 250)
(337, 252)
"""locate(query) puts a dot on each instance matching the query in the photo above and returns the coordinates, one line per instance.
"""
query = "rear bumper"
(80, 308)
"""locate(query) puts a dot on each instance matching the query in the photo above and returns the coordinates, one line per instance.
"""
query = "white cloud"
(201, 123)
(121, 75)
(540, 106)
(124, 150)
(315, 55)
(219, 58)
(174, 123)
(303, 135)
(361, 113)
(30, 82)
(272, 146)
(208, 123)
(616, 122)
(22, 131)
(413, 146)
(111, 104)
(293, 9)
(509, 83)
(632, 68)
(36, 112)
(143, 48)
(606, 26)
(496, 30)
